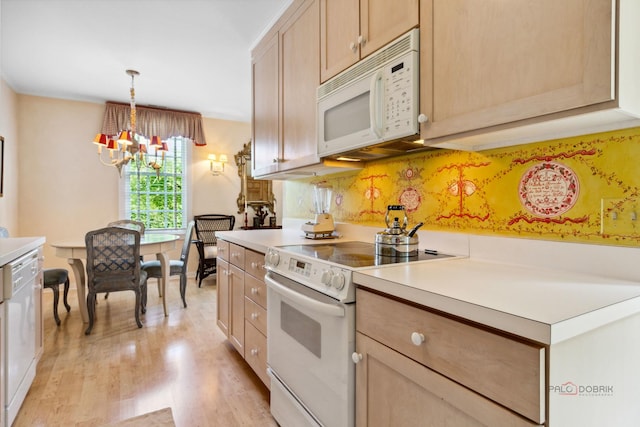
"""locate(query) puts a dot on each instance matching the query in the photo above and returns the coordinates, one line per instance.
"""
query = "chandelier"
(125, 147)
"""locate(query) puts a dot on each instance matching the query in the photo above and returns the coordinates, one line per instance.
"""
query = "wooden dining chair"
(177, 267)
(113, 264)
(206, 241)
(128, 223)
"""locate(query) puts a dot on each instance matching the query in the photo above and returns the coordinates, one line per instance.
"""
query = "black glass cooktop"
(356, 254)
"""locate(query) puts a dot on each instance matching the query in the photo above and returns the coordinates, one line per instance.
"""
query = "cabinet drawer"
(256, 290)
(390, 386)
(236, 255)
(254, 264)
(505, 370)
(256, 352)
(255, 315)
(223, 249)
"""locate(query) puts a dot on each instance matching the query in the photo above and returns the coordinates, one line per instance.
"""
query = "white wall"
(8, 129)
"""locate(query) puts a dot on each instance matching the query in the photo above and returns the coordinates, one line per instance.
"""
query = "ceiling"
(191, 54)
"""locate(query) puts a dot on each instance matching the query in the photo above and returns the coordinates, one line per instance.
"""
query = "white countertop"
(14, 247)
(547, 306)
(544, 305)
(260, 240)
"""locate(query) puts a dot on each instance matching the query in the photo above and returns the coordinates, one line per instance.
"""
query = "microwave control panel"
(401, 95)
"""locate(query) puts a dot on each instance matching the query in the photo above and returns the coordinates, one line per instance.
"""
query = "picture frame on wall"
(1, 165)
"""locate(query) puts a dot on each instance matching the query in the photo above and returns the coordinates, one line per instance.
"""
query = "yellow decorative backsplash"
(582, 189)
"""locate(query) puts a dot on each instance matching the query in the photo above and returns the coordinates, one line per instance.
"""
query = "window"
(158, 197)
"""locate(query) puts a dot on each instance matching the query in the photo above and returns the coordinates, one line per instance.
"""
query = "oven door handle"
(305, 301)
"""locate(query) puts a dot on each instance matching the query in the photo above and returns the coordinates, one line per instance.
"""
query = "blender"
(322, 226)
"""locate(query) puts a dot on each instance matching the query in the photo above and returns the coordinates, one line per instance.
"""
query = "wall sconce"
(216, 164)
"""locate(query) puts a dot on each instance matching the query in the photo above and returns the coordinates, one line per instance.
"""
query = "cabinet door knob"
(353, 47)
(254, 351)
(361, 40)
(254, 291)
(356, 357)
(423, 118)
(254, 316)
(417, 338)
(254, 265)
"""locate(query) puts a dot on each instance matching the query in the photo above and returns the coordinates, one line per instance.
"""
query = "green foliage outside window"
(157, 197)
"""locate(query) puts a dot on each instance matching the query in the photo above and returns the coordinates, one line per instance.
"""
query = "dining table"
(75, 251)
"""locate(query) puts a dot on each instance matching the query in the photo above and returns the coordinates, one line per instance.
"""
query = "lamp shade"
(125, 138)
(112, 144)
(164, 147)
(101, 139)
(155, 142)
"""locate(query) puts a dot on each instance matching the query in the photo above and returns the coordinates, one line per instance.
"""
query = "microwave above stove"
(371, 109)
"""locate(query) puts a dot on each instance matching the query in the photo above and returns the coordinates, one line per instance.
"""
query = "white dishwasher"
(20, 287)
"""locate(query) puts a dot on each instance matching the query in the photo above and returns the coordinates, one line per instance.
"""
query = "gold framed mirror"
(254, 193)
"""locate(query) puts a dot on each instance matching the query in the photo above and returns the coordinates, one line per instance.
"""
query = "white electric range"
(311, 324)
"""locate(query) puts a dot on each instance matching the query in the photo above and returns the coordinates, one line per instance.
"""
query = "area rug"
(160, 418)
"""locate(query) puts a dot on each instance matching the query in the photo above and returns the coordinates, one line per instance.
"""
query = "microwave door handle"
(303, 300)
(375, 103)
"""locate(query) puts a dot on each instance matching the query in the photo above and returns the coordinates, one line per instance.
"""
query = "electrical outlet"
(618, 216)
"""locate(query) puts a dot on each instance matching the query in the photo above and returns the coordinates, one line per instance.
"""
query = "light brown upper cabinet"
(266, 104)
(515, 67)
(300, 77)
(353, 29)
(286, 74)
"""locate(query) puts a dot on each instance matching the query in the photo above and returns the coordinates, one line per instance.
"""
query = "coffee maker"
(322, 226)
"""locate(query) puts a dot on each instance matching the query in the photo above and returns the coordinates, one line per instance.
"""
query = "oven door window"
(302, 328)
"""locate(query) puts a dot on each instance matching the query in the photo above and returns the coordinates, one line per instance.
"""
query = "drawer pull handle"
(254, 351)
(417, 338)
(254, 316)
(356, 357)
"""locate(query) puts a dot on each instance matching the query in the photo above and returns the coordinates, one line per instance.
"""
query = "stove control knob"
(325, 278)
(272, 258)
(338, 280)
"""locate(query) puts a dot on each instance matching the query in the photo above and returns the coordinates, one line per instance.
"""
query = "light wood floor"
(182, 361)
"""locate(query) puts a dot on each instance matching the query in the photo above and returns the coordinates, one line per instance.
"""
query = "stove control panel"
(322, 276)
(300, 267)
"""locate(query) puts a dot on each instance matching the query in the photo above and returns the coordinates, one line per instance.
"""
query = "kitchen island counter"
(260, 240)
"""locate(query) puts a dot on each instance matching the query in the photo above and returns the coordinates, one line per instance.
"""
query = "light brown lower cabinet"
(421, 368)
(223, 297)
(236, 290)
(393, 390)
(242, 304)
